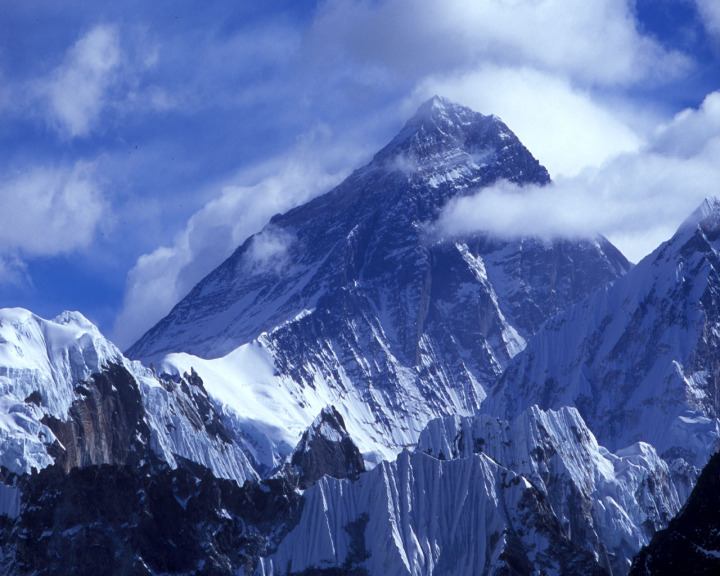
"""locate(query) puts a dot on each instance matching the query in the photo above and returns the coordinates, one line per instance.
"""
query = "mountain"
(639, 359)
(350, 300)
(691, 542)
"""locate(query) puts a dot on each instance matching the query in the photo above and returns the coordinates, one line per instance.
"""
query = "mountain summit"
(443, 136)
(347, 301)
(444, 150)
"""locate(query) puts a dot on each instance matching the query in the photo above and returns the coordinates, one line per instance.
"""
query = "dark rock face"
(537, 519)
(690, 545)
(195, 404)
(122, 520)
(324, 449)
(105, 426)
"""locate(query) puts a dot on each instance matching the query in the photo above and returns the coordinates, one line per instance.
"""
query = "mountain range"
(351, 392)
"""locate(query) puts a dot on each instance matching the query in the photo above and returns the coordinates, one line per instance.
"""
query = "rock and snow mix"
(523, 404)
(45, 369)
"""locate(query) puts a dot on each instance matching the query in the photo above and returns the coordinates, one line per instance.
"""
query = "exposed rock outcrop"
(325, 449)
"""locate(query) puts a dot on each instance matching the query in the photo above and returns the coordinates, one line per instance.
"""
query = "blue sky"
(142, 141)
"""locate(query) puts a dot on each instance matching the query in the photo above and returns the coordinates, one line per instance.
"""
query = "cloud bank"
(636, 199)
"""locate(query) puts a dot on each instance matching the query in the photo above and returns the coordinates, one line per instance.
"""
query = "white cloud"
(48, 211)
(268, 251)
(13, 271)
(160, 279)
(636, 199)
(554, 70)
(691, 131)
(77, 91)
(593, 41)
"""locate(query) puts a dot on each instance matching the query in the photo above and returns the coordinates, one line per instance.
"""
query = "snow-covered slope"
(68, 395)
(419, 515)
(639, 359)
(608, 504)
(348, 300)
(483, 496)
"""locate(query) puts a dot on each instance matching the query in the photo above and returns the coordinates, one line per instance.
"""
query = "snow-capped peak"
(444, 137)
(70, 317)
(50, 355)
(439, 106)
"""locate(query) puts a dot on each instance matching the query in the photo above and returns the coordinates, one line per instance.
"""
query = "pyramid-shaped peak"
(446, 114)
(443, 134)
(439, 106)
(324, 449)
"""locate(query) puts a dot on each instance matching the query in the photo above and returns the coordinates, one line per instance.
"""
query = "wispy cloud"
(77, 90)
(268, 251)
(49, 211)
(13, 272)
